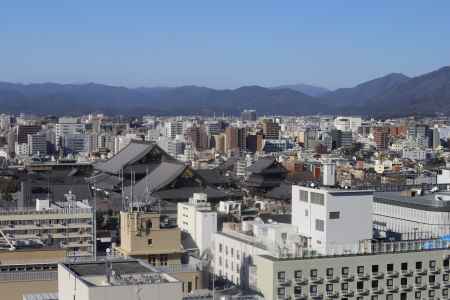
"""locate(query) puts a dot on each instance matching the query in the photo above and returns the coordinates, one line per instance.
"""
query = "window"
(360, 285)
(404, 266)
(445, 277)
(220, 247)
(374, 268)
(374, 284)
(360, 270)
(390, 282)
(304, 196)
(232, 251)
(403, 296)
(403, 281)
(330, 272)
(345, 271)
(313, 273)
(297, 290)
(149, 242)
(418, 280)
(344, 286)
(431, 293)
(313, 289)
(306, 212)
(445, 292)
(446, 263)
(329, 287)
(163, 259)
(298, 274)
(281, 276)
(432, 264)
(419, 265)
(189, 286)
(431, 279)
(320, 225)
(226, 250)
(389, 297)
(390, 267)
(374, 297)
(417, 294)
(333, 215)
(317, 198)
(281, 292)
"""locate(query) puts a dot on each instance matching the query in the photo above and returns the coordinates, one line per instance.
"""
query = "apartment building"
(67, 225)
(396, 271)
(196, 219)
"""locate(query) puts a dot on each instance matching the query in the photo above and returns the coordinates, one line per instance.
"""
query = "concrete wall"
(14, 290)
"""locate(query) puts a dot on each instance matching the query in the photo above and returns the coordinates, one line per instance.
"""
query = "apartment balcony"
(316, 296)
(435, 285)
(301, 281)
(406, 288)
(362, 276)
(348, 278)
(333, 279)
(420, 287)
(435, 271)
(348, 294)
(316, 280)
(332, 295)
(377, 291)
(362, 292)
(421, 272)
(378, 275)
(393, 274)
(392, 289)
(300, 297)
(407, 273)
(284, 282)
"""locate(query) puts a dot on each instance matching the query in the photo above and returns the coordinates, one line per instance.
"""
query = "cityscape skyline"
(221, 46)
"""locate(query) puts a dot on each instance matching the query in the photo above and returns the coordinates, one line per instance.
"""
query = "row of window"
(360, 269)
(238, 255)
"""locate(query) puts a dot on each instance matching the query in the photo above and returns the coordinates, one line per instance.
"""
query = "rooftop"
(426, 202)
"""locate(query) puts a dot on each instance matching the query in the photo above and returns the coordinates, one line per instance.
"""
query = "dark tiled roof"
(285, 219)
(282, 192)
(260, 165)
(128, 155)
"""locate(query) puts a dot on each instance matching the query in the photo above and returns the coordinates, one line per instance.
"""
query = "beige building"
(390, 274)
(144, 236)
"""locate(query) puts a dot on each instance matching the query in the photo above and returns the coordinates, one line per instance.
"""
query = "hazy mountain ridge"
(390, 95)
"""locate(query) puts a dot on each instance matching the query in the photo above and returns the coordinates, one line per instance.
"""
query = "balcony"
(300, 297)
(377, 291)
(392, 274)
(362, 276)
(301, 281)
(378, 275)
(435, 285)
(420, 287)
(406, 288)
(348, 294)
(435, 271)
(348, 278)
(316, 296)
(284, 282)
(407, 273)
(362, 292)
(332, 295)
(392, 289)
(421, 272)
(332, 279)
(316, 280)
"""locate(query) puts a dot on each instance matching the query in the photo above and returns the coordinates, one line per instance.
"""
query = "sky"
(221, 44)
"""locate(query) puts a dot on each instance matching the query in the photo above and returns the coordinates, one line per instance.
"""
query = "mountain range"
(391, 95)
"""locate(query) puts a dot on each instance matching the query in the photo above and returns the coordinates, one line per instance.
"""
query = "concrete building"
(248, 115)
(197, 219)
(331, 218)
(409, 215)
(391, 273)
(329, 174)
(67, 225)
(271, 129)
(116, 280)
(37, 144)
(67, 126)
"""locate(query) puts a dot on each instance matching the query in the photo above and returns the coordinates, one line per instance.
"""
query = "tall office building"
(248, 115)
(271, 129)
(381, 137)
(37, 144)
(67, 126)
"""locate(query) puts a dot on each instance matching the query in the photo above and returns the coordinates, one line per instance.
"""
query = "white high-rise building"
(198, 220)
(331, 218)
(67, 126)
(37, 144)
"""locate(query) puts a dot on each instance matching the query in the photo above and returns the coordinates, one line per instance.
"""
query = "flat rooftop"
(130, 272)
(426, 202)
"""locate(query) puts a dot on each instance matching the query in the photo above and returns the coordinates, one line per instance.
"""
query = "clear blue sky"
(221, 44)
